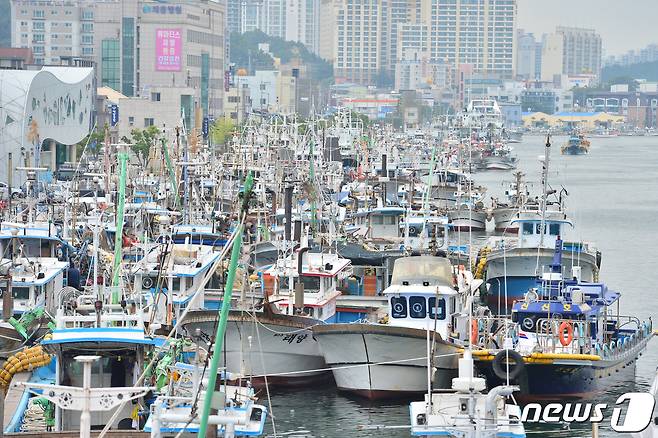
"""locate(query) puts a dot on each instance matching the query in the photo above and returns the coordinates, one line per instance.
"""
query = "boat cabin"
(532, 235)
(422, 294)
(384, 223)
(308, 283)
(179, 281)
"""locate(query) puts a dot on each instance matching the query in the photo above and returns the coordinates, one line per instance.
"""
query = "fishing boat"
(512, 263)
(171, 411)
(577, 144)
(469, 213)
(505, 212)
(389, 358)
(271, 337)
(466, 411)
(568, 341)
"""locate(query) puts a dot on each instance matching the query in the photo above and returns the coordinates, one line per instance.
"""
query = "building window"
(87, 39)
(110, 64)
(87, 51)
(131, 121)
(37, 49)
(155, 97)
(148, 121)
(38, 38)
(87, 15)
(38, 13)
(38, 25)
(128, 53)
(87, 27)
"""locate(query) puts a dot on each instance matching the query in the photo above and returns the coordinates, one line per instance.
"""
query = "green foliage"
(643, 70)
(93, 140)
(245, 54)
(221, 130)
(141, 141)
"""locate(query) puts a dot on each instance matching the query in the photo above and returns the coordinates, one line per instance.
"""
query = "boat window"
(21, 293)
(175, 284)
(377, 220)
(398, 307)
(437, 310)
(417, 307)
(554, 229)
(310, 283)
(527, 229)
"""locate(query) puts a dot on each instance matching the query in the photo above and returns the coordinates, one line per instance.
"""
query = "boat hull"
(462, 220)
(574, 150)
(568, 379)
(381, 361)
(279, 347)
(503, 217)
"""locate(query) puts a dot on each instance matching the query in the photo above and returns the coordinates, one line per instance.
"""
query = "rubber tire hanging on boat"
(499, 368)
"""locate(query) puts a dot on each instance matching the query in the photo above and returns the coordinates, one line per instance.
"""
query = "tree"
(221, 130)
(141, 142)
(93, 140)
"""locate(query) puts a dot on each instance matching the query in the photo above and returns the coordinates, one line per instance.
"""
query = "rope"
(345, 367)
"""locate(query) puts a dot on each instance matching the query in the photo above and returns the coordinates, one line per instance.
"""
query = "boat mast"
(544, 182)
(118, 237)
(223, 313)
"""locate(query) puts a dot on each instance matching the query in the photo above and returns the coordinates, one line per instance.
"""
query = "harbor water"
(613, 202)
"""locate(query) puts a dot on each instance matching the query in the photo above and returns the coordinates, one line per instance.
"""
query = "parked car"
(16, 192)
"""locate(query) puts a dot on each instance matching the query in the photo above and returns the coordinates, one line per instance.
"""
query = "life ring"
(569, 328)
(412, 230)
(500, 369)
(474, 331)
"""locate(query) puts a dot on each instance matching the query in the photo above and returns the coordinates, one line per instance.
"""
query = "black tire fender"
(500, 369)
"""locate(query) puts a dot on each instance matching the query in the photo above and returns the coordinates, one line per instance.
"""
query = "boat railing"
(112, 319)
(622, 334)
(492, 331)
(561, 335)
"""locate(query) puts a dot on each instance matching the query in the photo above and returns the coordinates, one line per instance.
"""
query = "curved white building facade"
(60, 102)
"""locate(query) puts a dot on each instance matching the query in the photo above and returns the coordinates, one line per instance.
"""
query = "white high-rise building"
(370, 35)
(582, 50)
(480, 33)
(526, 56)
(291, 20)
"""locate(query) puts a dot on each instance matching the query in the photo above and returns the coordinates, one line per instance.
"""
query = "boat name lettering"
(291, 337)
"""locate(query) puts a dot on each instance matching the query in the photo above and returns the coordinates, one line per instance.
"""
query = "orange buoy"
(474, 331)
(566, 326)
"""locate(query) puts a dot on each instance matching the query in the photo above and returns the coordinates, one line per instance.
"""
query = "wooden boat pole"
(223, 314)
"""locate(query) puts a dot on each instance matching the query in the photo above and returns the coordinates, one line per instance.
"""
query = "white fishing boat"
(388, 359)
(272, 337)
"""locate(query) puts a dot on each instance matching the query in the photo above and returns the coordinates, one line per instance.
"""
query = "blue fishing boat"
(510, 264)
(577, 144)
(566, 339)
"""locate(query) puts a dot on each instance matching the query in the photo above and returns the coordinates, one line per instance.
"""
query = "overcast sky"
(623, 24)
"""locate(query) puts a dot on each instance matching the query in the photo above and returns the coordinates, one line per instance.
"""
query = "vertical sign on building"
(114, 115)
(227, 80)
(205, 126)
(168, 47)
